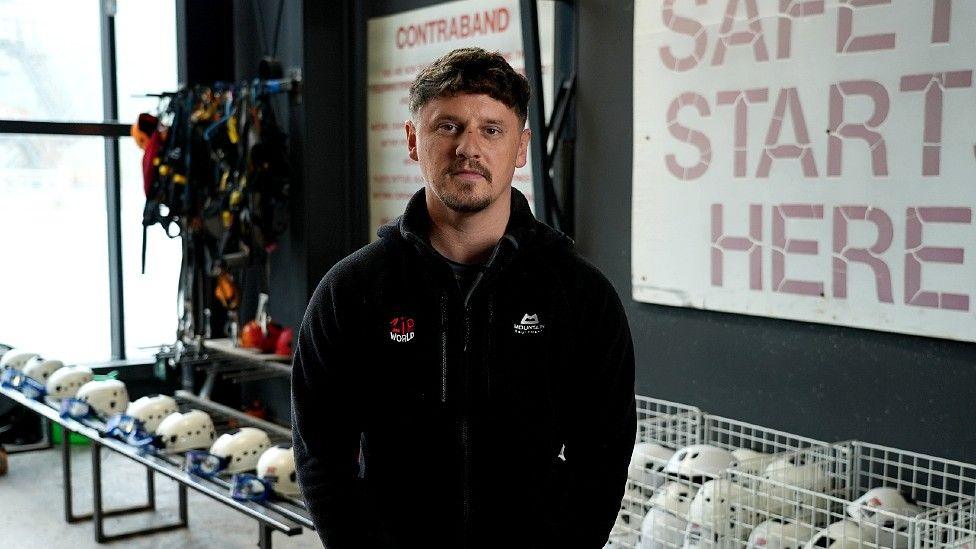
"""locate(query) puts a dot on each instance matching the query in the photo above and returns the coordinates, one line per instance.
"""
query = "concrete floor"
(32, 509)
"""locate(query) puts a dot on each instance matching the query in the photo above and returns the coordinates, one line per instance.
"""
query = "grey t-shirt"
(464, 274)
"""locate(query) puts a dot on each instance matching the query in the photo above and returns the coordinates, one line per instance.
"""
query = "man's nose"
(469, 145)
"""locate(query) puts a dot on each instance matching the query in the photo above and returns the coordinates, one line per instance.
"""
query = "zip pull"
(467, 329)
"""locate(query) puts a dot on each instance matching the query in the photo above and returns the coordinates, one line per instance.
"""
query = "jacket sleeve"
(324, 423)
(600, 435)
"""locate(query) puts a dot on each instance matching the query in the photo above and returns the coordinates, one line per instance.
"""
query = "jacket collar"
(520, 233)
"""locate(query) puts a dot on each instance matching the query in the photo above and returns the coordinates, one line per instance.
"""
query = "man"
(468, 379)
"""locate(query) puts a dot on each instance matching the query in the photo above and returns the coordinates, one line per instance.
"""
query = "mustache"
(470, 166)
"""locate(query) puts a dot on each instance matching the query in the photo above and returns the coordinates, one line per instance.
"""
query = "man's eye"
(492, 131)
(447, 127)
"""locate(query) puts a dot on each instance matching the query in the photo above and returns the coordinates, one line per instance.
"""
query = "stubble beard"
(463, 196)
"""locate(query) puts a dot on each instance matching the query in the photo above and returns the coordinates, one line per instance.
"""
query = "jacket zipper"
(466, 482)
(444, 327)
(465, 422)
(465, 434)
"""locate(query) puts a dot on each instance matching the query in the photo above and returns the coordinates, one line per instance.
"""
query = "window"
(146, 63)
(54, 278)
(50, 61)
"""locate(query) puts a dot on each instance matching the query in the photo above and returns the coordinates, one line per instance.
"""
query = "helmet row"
(176, 432)
(30, 364)
(246, 449)
(243, 450)
(234, 453)
(107, 397)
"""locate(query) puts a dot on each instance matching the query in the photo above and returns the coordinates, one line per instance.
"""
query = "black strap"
(143, 248)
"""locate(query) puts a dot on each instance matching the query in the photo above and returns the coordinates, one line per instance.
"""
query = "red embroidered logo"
(401, 329)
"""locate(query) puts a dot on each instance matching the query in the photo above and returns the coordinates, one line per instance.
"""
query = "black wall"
(327, 215)
(328, 218)
(822, 381)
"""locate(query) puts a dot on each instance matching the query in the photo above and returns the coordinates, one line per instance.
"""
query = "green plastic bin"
(73, 438)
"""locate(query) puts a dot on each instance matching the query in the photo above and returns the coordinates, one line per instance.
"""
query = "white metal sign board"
(398, 47)
(808, 159)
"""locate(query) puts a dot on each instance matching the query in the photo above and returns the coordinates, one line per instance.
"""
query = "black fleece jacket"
(424, 417)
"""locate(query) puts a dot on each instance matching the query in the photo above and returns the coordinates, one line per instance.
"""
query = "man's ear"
(411, 139)
(523, 148)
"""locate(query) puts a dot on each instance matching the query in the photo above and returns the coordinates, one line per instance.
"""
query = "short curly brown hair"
(475, 71)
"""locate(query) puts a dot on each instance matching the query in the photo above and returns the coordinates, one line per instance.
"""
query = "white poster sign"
(399, 46)
(808, 159)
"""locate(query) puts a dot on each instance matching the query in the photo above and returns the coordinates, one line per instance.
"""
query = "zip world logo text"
(529, 324)
(401, 329)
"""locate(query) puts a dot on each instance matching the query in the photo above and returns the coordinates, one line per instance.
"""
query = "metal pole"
(43, 127)
(184, 515)
(181, 39)
(96, 453)
(264, 536)
(537, 108)
(66, 474)
(150, 489)
(113, 201)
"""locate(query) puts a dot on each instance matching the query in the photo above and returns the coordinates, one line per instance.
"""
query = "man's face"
(468, 147)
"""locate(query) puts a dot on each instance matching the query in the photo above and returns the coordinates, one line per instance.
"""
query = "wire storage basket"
(679, 474)
(849, 495)
(952, 527)
(714, 517)
(662, 427)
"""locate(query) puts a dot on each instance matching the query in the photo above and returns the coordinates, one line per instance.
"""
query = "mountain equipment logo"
(529, 325)
(401, 329)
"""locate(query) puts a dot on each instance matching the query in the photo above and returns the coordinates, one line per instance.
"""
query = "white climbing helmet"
(799, 470)
(242, 448)
(644, 476)
(152, 410)
(749, 461)
(645, 472)
(775, 534)
(889, 527)
(277, 467)
(625, 532)
(662, 530)
(65, 382)
(795, 471)
(698, 536)
(107, 397)
(40, 369)
(844, 534)
(717, 509)
(674, 497)
(181, 432)
(699, 460)
(15, 358)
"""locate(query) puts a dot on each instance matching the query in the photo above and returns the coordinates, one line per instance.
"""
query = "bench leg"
(99, 514)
